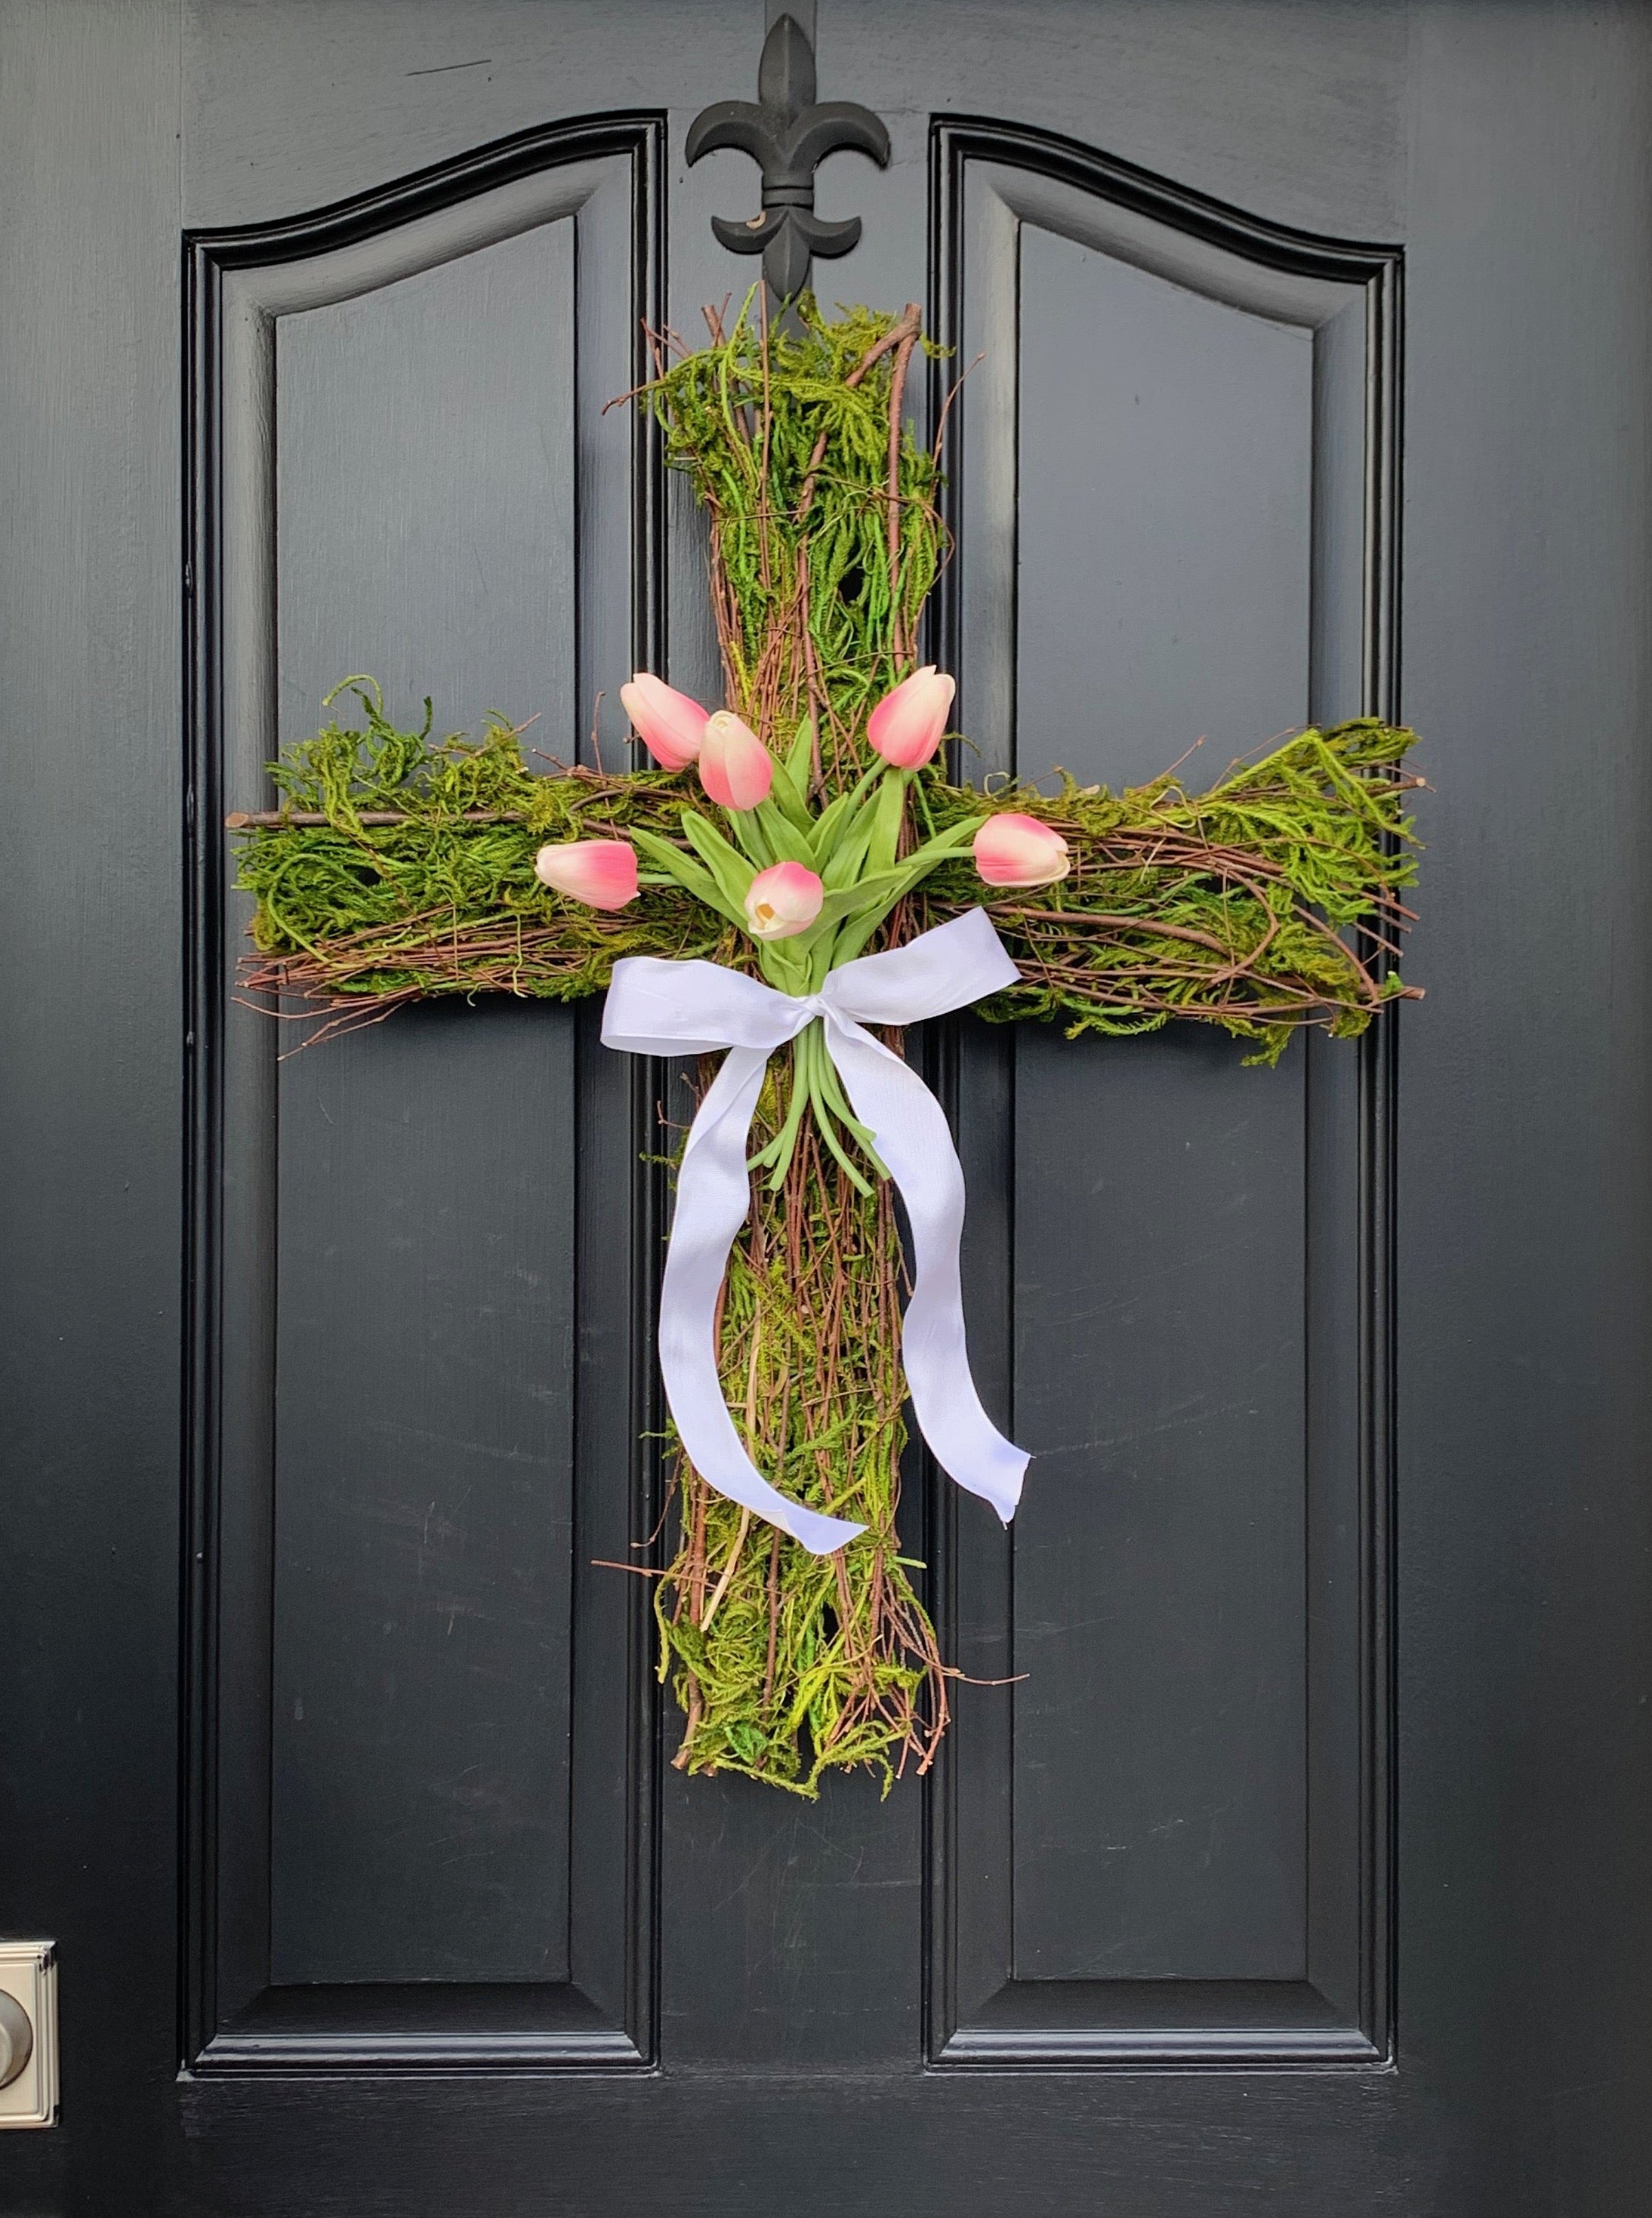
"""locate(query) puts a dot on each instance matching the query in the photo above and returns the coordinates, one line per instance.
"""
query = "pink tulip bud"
(782, 901)
(735, 768)
(906, 726)
(601, 873)
(670, 724)
(1019, 851)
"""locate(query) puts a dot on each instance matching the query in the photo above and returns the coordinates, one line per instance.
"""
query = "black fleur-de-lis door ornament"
(788, 134)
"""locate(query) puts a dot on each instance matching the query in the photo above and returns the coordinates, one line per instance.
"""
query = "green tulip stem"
(777, 1156)
(827, 1125)
(828, 1088)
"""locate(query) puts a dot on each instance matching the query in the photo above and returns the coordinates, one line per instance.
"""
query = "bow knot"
(655, 1006)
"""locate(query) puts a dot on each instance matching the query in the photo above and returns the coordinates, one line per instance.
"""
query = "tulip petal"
(782, 901)
(908, 724)
(601, 873)
(671, 725)
(735, 768)
(1012, 849)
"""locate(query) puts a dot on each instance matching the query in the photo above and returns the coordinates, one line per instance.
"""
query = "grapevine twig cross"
(400, 866)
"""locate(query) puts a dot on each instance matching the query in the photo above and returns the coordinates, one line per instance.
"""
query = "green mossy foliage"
(745, 421)
(789, 1664)
(1268, 902)
(1230, 906)
(1315, 834)
(439, 901)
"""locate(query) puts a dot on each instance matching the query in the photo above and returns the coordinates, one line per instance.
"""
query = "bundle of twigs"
(400, 866)
(1232, 907)
(825, 538)
(786, 1663)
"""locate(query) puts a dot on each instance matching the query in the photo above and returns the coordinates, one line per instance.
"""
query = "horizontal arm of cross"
(1271, 901)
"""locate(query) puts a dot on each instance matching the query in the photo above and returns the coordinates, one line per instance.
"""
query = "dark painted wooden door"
(1302, 1868)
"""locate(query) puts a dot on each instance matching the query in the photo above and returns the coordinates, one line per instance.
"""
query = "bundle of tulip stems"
(400, 866)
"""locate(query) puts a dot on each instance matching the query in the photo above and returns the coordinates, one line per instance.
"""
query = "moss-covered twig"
(401, 866)
(787, 1665)
(1269, 903)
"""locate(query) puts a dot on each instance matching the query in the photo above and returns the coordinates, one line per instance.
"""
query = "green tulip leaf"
(800, 761)
(683, 870)
(731, 870)
(788, 843)
(793, 806)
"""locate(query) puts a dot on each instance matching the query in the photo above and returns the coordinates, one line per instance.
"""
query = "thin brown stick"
(893, 338)
(910, 324)
(247, 819)
(953, 392)
(774, 1615)
(722, 1587)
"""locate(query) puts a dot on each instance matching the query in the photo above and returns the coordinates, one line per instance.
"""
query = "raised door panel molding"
(420, 1763)
(1165, 1836)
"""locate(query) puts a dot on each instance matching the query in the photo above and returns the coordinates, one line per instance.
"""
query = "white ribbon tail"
(658, 1007)
(909, 1129)
(713, 1194)
(946, 968)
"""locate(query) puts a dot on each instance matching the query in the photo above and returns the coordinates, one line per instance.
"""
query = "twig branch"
(310, 819)
(910, 324)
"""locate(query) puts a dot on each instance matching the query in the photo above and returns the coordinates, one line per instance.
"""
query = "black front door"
(1292, 1858)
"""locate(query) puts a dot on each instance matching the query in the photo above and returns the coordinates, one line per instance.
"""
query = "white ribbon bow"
(657, 1007)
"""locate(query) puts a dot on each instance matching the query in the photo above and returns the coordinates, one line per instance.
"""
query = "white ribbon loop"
(659, 1007)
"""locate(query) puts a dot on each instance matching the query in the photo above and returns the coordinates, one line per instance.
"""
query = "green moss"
(787, 1664)
(785, 437)
(1230, 906)
(1268, 902)
(439, 901)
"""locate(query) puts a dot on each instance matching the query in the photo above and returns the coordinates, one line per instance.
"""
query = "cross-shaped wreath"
(839, 879)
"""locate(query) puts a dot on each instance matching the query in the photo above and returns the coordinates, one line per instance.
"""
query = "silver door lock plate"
(29, 2033)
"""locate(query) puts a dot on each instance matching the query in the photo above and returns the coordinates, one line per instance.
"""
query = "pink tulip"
(672, 726)
(782, 901)
(601, 873)
(735, 768)
(906, 726)
(1019, 851)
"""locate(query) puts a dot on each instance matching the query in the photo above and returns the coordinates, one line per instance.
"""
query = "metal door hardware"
(29, 2033)
(788, 134)
(17, 2039)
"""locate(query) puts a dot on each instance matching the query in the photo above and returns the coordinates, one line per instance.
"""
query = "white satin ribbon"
(655, 1006)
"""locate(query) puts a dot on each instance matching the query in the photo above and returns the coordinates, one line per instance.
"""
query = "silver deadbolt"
(17, 2039)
